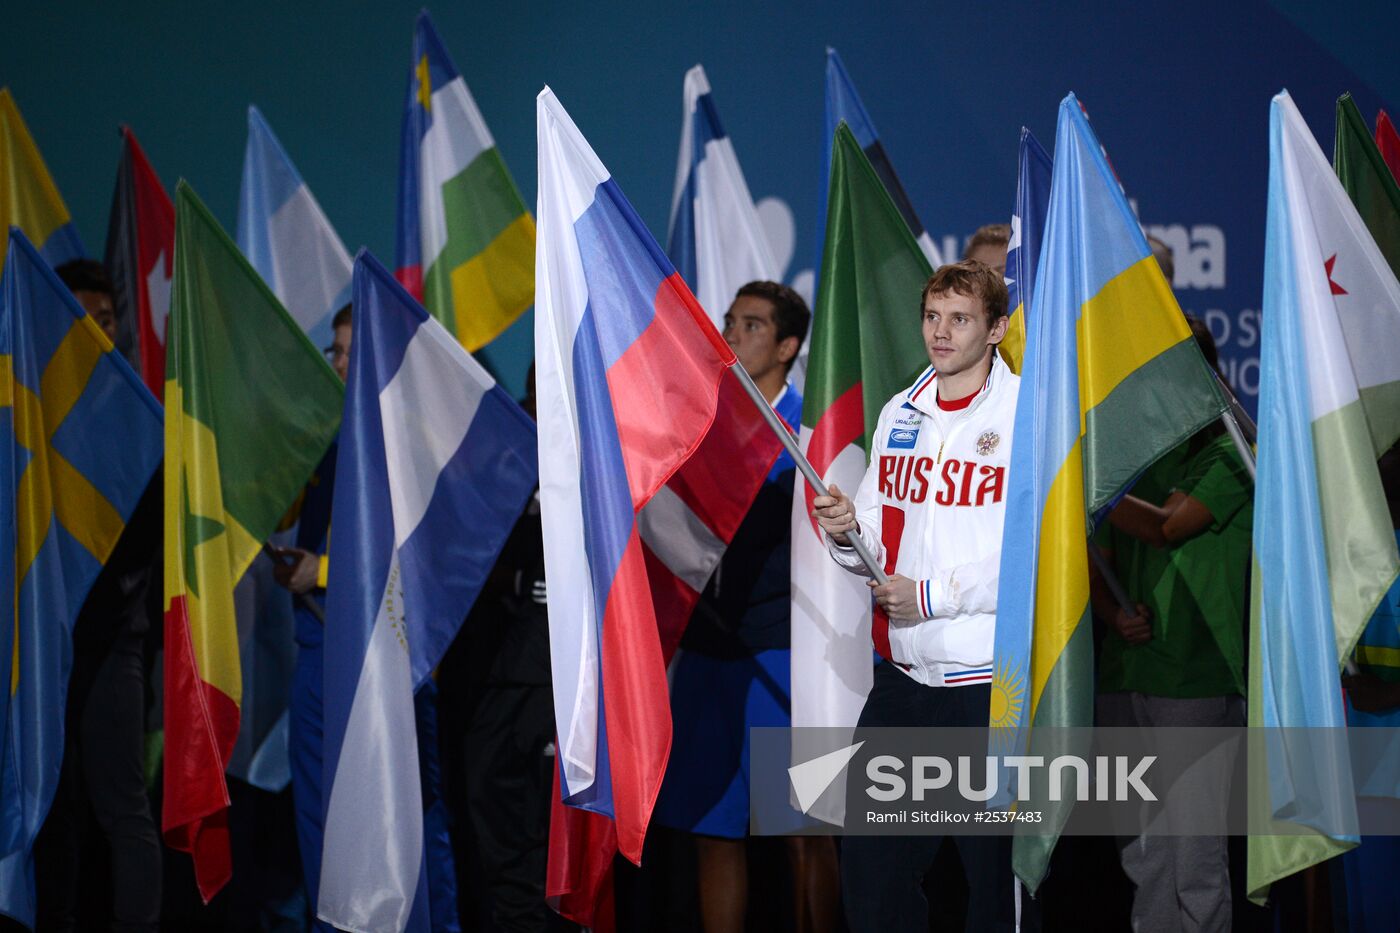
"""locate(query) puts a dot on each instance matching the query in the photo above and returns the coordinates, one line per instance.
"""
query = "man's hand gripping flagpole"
(810, 474)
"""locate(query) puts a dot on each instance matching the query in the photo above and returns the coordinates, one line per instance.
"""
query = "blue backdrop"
(1178, 93)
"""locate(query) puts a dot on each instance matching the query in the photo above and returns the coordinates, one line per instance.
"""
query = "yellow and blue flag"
(29, 199)
(81, 438)
(1111, 380)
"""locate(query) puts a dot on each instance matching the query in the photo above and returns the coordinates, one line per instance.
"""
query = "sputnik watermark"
(1116, 778)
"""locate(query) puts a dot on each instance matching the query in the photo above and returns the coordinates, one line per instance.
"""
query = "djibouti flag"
(1111, 380)
(1324, 549)
(466, 243)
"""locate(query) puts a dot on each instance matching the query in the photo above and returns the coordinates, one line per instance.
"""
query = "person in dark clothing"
(733, 671)
(104, 723)
(509, 742)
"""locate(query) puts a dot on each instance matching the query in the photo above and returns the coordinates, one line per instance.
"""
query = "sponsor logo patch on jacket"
(904, 433)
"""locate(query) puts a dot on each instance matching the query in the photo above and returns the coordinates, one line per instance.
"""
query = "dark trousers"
(509, 782)
(882, 876)
(103, 765)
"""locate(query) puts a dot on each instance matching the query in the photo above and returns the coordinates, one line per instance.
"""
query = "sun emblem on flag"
(1008, 691)
(987, 443)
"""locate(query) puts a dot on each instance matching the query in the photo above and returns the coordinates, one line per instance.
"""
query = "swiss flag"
(140, 255)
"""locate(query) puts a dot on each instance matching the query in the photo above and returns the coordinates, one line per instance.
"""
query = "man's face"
(99, 305)
(339, 352)
(751, 333)
(956, 333)
(991, 254)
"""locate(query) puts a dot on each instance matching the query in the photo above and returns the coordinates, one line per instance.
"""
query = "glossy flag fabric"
(466, 243)
(140, 258)
(82, 439)
(716, 239)
(1111, 380)
(1325, 552)
(865, 348)
(843, 105)
(251, 407)
(29, 199)
(435, 464)
(628, 375)
(1388, 142)
(1033, 174)
(1361, 168)
(286, 236)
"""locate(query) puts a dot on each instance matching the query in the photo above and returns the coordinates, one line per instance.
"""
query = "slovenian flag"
(435, 465)
(716, 239)
(1023, 251)
(141, 259)
(466, 243)
(32, 202)
(1325, 552)
(287, 237)
(629, 369)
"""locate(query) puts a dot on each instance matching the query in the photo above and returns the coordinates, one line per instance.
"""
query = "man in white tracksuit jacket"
(930, 510)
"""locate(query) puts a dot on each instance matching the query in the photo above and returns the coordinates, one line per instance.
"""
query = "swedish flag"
(80, 437)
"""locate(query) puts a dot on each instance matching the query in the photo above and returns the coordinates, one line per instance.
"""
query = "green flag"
(1367, 180)
(250, 408)
(866, 346)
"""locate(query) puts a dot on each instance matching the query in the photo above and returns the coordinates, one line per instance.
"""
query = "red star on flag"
(1336, 289)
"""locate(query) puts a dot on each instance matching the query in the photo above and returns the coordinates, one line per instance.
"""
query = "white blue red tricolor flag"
(435, 465)
(716, 239)
(629, 374)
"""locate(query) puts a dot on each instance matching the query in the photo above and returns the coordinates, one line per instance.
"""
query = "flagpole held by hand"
(810, 474)
(306, 602)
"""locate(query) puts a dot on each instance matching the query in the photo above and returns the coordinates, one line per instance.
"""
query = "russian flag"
(435, 465)
(628, 371)
(716, 239)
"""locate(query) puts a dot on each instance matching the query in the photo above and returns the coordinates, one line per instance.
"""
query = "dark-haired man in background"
(733, 671)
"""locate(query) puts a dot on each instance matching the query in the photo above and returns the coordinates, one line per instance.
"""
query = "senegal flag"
(466, 243)
(866, 346)
(1111, 379)
(28, 197)
(250, 408)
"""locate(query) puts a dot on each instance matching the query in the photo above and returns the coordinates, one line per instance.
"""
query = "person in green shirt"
(1180, 545)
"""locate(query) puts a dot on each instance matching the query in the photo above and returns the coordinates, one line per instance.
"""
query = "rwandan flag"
(82, 438)
(251, 407)
(141, 257)
(1111, 380)
(716, 239)
(1325, 552)
(29, 199)
(466, 243)
(1388, 142)
(1023, 251)
(616, 330)
(843, 104)
(287, 237)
